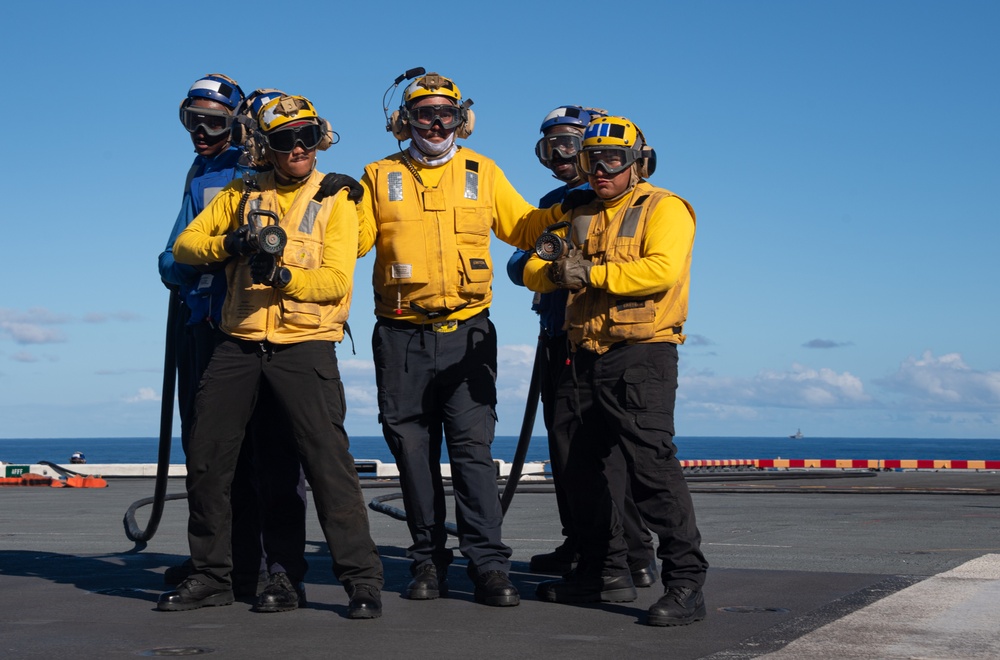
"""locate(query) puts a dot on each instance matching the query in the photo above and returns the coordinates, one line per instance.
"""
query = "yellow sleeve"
(367, 229)
(536, 275)
(201, 241)
(333, 279)
(515, 221)
(666, 243)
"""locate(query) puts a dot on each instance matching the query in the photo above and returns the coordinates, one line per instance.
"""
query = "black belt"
(437, 326)
(261, 347)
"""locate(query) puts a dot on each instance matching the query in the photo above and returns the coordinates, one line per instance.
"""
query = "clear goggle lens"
(212, 122)
(562, 145)
(285, 139)
(449, 116)
(612, 160)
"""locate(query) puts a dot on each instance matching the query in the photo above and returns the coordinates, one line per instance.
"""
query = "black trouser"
(432, 384)
(625, 398)
(305, 382)
(637, 537)
(194, 345)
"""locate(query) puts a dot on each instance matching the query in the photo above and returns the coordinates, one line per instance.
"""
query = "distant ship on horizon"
(797, 435)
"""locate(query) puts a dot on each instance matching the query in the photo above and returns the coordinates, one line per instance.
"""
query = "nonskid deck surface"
(801, 567)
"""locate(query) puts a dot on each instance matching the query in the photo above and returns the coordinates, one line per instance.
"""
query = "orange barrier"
(86, 481)
(875, 464)
(728, 462)
(29, 479)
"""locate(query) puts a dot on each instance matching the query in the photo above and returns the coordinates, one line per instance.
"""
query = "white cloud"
(799, 387)
(35, 315)
(103, 317)
(30, 333)
(24, 356)
(516, 356)
(29, 327)
(144, 395)
(944, 383)
(826, 343)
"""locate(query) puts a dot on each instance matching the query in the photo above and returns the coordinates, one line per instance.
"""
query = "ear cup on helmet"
(399, 128)
(465, 130)
(648, 162)
(238, 132)
(327, 140)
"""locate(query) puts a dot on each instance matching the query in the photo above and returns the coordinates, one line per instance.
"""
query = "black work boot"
(174, 575)
(576, 588)
(366, 602)
(645, 576)
(495, 589)
(280, 595)
(679, 606)
(560, 561)
(192, 594)
(427, 584)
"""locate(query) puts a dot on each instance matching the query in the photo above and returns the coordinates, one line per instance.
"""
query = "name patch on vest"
(401, 271)
(394, 180)
(622, 305)
(478, 264)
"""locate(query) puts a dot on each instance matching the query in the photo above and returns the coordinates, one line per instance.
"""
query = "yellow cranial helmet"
(614, 144)
(612, 132)
(431, 84)
(287, 120)
(285, 110)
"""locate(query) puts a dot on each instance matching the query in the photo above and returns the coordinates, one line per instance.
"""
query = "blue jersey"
(551, 307)
(203, 293)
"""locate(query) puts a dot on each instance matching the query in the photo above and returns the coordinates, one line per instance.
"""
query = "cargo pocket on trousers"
(333, 392)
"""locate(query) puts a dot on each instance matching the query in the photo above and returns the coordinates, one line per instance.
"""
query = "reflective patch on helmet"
(309, 217)
(471, 185)
(216, 86)
(395, 182)
(401, 271)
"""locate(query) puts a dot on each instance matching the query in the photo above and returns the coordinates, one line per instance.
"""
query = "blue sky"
(839, 156)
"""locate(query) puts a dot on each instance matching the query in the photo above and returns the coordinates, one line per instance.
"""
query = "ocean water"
(145, 450)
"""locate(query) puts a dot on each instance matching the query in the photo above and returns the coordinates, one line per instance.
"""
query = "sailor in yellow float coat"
(432, 240)
(428, 211)
(282, 316)
(639, 280)
(319, 256)
(628, 277)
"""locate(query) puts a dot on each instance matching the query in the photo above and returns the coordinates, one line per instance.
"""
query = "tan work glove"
(572, 272)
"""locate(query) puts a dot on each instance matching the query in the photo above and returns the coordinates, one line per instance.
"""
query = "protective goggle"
(612, 160)
(561, 145)
(213, 122)
(449, 116)
(285, 139)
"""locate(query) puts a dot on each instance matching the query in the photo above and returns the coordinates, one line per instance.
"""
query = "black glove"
(575, 198)
(571, 272)
(332, 183)
(264, 269)
(236, 242)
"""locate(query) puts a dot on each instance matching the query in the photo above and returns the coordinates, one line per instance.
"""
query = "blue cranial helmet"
(216, 87)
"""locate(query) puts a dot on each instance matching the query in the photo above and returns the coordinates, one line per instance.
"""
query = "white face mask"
(434, 152)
